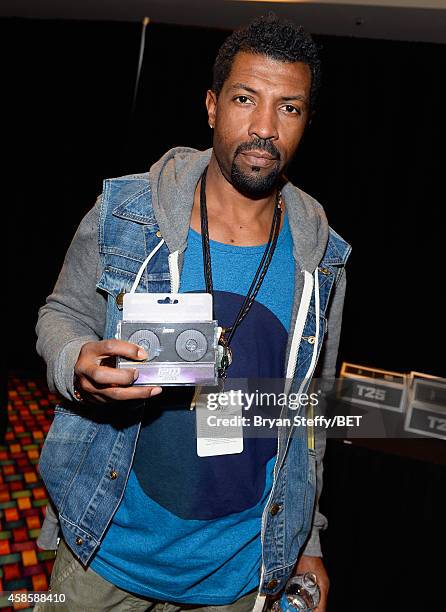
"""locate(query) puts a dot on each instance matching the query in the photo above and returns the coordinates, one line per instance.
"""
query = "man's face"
(259, 119)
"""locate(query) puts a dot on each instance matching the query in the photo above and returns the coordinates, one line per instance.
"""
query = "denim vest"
(88, 452)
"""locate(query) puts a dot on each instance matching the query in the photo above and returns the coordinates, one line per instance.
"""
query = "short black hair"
(279, 39)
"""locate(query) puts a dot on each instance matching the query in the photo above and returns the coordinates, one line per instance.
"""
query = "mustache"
(258, 144)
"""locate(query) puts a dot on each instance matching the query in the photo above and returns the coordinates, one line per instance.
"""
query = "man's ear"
(211, 105)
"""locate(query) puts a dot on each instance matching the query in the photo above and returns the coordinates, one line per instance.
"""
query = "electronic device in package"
(177, 332)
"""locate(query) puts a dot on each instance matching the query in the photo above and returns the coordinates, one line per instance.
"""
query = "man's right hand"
(101, 383)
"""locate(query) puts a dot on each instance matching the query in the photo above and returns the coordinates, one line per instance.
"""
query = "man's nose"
(263, 123)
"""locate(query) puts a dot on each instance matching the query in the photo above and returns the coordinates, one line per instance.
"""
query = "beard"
(255, 183)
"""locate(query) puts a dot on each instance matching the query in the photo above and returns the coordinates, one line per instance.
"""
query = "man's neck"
(233, 218)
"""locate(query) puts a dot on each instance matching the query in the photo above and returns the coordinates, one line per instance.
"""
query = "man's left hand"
(315, 565)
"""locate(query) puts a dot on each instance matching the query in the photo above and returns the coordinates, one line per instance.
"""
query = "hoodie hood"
(173, 180)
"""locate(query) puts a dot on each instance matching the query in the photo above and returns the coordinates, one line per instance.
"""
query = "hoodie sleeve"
(74, 313)
(326, 377)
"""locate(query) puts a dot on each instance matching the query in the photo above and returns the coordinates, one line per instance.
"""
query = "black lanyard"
(228, 332)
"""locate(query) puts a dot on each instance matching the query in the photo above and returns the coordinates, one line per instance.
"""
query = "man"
(145, 522)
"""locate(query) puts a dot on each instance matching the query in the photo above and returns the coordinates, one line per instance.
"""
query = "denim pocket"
(115, 280)
(65, 449)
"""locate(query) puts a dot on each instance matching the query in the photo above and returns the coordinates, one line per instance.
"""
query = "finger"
(130, 393)
(114, 348)
(111, 394)
(106, 376)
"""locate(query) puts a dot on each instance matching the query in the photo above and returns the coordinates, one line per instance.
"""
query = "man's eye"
(243, 99)
(292, 109)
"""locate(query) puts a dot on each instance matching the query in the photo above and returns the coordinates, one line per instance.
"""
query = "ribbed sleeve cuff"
(313, 546)
(64, 374)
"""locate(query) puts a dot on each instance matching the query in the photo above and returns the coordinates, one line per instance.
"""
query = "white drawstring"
(144, 265)
(174, 272)
(312, 365)
(259, 603)
(299, 328)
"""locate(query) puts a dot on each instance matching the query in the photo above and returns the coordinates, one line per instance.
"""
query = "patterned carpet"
(23, 566)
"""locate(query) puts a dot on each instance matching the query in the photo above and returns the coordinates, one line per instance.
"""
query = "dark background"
(373, 157)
